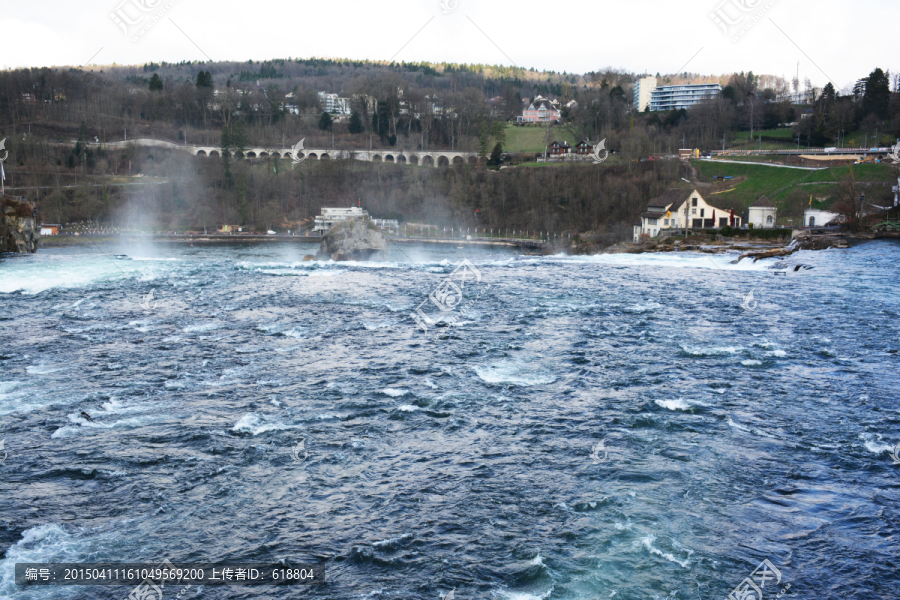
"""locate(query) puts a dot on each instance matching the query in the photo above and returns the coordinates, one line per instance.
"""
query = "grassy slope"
(531, 139)
(776, 183)
(784, 132)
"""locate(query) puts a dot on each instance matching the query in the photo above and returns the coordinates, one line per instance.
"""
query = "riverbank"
(224, 238)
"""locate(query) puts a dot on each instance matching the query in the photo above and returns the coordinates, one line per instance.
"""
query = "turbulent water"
(628, 427)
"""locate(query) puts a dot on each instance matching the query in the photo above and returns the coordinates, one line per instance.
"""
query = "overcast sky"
(837, 40)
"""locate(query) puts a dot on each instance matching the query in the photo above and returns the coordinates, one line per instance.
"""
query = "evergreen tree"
(383, 112)
(356, 125)
(483, 135)
(494, 160)
(204, 79)
(498, 132)
(877, 94)
(325, 122)
(156, 84)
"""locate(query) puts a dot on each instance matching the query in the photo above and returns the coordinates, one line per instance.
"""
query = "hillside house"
(678, 207)
(540, 111)
(559, 149)
(583, 148)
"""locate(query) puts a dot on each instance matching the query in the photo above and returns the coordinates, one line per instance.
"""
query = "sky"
(832, 40)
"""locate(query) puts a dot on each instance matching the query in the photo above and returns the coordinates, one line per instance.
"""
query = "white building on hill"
(642, 90)
(334, 105)
(675, 97)
(675, 208)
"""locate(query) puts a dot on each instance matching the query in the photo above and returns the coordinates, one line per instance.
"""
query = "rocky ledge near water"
(749, 247)
(18, 226)
(354, 239)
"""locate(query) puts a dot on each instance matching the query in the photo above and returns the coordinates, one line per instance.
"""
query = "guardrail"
(823, 151)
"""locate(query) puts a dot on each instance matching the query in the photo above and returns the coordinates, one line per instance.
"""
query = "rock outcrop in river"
(354, 239)
(18, 226)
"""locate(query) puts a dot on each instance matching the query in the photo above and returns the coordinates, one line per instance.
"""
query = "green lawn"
(784, 132)
(865, 172)
(532, 139)
(775, 183)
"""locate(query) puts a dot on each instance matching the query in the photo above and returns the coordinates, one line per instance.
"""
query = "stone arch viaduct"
(426, 158)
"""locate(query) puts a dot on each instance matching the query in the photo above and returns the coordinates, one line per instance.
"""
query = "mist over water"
(465, 457)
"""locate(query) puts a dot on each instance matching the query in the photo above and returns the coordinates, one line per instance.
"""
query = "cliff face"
(18, 226)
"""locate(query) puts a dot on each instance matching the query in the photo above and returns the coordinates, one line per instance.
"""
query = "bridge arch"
(324, 156)
(413, 159)
(314, 155)
(200, 153)
(443, 161)
(401, 160)
(473, 160)
(458, 160)
(389, 158)
(288, 155)
(251, 154)
(263, 153)
(376, 158)
(214, 153)
(427, 161)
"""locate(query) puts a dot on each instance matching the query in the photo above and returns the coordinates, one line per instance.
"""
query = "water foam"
(679, 404)
(873, 443)
(52, 543)
(394, 392)
(711, 351)
(512, 373)
(255, 424)
(647, 542)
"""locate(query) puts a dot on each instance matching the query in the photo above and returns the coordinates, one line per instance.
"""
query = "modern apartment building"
(674, 97)
(334, 105)
(642, 90)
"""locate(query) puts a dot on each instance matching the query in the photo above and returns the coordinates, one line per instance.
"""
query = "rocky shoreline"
(753, 248)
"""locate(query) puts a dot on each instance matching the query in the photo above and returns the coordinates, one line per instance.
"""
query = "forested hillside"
(58, 122)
